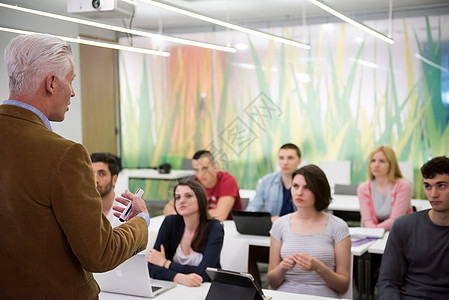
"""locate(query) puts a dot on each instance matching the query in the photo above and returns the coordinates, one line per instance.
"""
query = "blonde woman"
(386, 195)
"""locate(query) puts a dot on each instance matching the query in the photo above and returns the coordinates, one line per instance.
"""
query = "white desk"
(126, 174)
(378, 246)
(197, 293)
(351, 203)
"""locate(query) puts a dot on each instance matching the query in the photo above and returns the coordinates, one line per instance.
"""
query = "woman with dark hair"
(310, 250)
(386, 195)
(188, 242)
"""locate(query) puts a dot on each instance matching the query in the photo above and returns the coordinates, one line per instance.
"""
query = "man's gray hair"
(31, 58)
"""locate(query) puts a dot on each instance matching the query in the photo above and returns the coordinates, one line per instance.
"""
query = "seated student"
(386, 195)
(188, 242)
(415, 264)
(273, 195)
(273, 191)
(221, 188)
(310, 250)
(106, 167)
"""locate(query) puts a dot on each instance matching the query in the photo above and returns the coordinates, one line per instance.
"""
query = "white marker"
(125, 213)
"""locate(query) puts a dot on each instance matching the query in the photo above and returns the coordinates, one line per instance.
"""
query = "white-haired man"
(52, 229)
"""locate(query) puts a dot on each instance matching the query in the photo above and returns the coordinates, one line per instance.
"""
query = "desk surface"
(154, 174)
(378, 246)
(125, 174)
(351, 203)
(196, 293)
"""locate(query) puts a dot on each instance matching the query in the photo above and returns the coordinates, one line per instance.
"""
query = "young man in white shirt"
(106, 167)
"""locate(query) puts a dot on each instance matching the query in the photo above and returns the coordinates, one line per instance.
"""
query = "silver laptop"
(132, 278)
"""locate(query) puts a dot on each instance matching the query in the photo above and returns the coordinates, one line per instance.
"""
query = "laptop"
(252, 222)
(132, 278)
(233, 285)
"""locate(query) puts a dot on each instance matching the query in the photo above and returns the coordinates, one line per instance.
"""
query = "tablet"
(233, 285)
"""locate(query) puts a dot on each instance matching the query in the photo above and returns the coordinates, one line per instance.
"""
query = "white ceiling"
(251, 13)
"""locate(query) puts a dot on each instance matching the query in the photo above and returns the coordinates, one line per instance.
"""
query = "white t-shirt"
(193, 259)
(320, 246)
(113, 219)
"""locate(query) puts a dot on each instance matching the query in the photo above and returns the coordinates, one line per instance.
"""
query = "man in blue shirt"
(273, 195)
(273, 191)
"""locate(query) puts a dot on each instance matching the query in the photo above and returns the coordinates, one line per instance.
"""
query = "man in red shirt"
(221, 188)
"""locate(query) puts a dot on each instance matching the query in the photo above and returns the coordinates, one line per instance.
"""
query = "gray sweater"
(415, 264)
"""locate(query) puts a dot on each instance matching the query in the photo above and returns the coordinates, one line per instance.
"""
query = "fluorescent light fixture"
(242, 46)
(358, 40)
(430, 63)
(366, 63)
(352, 22)
(121, 29)
(303, 77)
(228, 25)
(93, 43)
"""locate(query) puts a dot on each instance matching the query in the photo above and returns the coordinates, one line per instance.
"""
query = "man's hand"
(138, 205)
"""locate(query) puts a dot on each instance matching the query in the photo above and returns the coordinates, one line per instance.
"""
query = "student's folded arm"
(161, 273)
(223, 209)
(169, 208)
(163, 238)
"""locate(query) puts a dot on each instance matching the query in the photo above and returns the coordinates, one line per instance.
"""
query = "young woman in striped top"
(310, 250)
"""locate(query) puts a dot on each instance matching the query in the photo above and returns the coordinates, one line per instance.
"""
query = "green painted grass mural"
(337, 101)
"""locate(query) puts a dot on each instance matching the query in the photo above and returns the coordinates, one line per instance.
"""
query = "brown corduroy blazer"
(52, 231)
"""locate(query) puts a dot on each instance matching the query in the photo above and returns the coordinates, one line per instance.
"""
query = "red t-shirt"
(226, 186)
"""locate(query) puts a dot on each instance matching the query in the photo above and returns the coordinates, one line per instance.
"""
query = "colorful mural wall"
(350, 93)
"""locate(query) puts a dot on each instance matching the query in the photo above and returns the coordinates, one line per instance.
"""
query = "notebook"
(252, 222)
(132, 278)
(233, 285)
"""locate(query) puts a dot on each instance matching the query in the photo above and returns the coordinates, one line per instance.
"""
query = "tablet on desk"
(233, 285)
(252, 222)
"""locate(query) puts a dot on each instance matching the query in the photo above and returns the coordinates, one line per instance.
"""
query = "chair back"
(345, 189)
(186, 164)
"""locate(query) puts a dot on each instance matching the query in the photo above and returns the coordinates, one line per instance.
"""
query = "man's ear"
(114, 180)
(50, 83)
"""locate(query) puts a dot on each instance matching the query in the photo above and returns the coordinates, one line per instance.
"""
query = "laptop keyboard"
(155, 288)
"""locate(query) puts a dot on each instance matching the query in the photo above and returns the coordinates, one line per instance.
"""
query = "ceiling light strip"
(352, 22)
(121, 29)
(430, 63)
(226, 24)
(93, 43)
